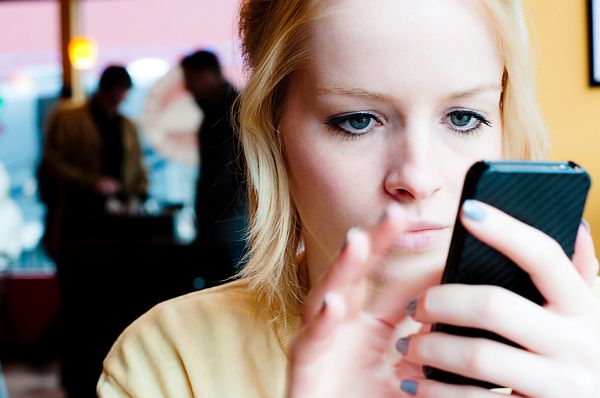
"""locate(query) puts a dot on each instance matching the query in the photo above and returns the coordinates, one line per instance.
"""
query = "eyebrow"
(475, 91)
(361, 93)
(355, 92)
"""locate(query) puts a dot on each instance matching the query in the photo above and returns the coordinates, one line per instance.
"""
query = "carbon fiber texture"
(550, 202)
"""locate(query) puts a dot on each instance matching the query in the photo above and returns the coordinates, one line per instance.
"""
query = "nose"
(413, 172)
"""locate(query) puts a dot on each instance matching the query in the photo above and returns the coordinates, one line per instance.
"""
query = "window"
(30, 73)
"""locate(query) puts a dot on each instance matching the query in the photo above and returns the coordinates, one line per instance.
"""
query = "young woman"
(359, 121)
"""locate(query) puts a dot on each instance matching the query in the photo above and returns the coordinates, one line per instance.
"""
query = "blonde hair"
(275, 35)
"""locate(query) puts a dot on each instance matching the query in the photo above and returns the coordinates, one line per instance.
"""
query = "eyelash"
(482, 121)
(334, 123)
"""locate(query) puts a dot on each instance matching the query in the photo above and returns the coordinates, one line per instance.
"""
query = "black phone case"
(549, 196)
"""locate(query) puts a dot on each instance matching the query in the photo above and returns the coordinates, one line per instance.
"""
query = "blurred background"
(116, 271)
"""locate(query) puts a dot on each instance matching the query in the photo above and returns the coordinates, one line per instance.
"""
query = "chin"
(400, 268)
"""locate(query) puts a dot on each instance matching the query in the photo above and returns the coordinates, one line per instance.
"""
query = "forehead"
(385, 44)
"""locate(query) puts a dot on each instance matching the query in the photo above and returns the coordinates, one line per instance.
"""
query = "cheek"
(331, 185)
(458, 156)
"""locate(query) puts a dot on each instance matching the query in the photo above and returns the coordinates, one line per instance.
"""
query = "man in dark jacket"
(91, 153)
(221, 210)
(91, 157)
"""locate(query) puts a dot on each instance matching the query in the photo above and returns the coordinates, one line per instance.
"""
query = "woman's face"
(399, 98)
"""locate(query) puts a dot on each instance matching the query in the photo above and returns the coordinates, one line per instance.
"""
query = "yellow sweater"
(211, 343)
(218, 342)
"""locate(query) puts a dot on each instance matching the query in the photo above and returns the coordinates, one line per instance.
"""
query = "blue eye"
(466, 121)
(353, 123)
(461, 119)
(359, 122)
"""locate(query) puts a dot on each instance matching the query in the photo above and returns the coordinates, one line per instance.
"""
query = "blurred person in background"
(91, 167)
(92, 160)
(220, 202)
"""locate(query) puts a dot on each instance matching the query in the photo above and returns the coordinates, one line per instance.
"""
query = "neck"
(316, 262)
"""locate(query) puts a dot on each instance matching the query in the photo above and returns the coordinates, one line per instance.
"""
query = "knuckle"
(420, 347)
(552, 248)
(587, 345)
(490, 304)
(576, 382)
(428, 302)
(477, 358)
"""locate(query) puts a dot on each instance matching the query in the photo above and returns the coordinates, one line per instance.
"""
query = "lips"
(420, 236)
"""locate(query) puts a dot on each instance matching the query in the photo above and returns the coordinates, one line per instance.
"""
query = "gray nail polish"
(344, 245)
(402, 345)
(586, 225)
(473, 211)
(409, 387)
(411, 308)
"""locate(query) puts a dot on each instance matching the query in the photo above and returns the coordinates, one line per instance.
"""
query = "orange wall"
(571, 107)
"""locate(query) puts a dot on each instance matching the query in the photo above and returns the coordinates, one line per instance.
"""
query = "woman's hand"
(341, 351)
(561, 340)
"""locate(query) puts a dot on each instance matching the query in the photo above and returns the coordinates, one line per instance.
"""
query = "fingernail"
(411, 308)
(333, 303)
(329, 297)
(402, 345)
(473, 211)
(586, 225)
(351, 234)
(409, 387)
(361, 249)
(345, 244)
(323, 306)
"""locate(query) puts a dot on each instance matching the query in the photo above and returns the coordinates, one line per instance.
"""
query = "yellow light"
(82, 53)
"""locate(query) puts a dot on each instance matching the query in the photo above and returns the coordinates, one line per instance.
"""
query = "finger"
(313, 339)
(362, 251)
(424, 388)
(390, 304)
(310, 342)
(344, 270)
(483, 359)
(584, 258)
(497, 310)
(535, 252)
(386, 232)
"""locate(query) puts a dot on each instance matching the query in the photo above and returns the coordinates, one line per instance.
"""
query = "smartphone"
(549, 196)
